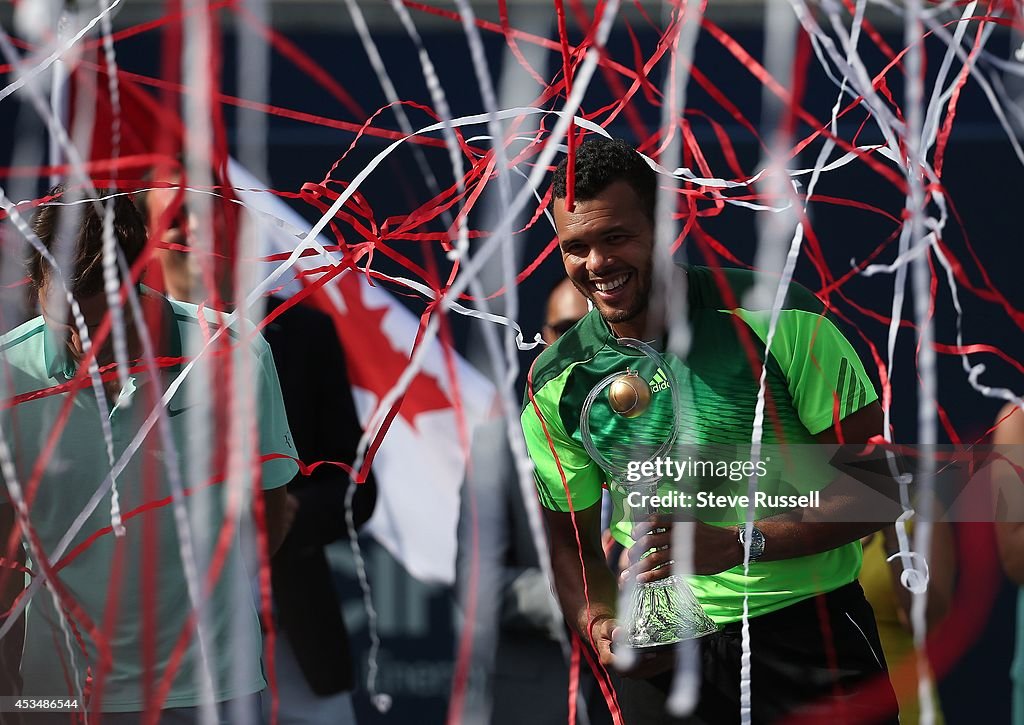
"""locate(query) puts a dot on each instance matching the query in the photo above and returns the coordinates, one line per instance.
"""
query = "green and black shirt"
(814, 378)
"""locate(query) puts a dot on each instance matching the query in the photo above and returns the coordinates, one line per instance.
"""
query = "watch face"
(756, 543)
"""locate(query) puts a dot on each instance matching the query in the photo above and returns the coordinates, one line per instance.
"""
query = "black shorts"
(819, 660)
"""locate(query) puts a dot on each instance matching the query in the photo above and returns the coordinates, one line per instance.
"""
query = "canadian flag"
(420, 464)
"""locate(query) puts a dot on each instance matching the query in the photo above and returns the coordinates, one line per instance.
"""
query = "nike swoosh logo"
(179, 411)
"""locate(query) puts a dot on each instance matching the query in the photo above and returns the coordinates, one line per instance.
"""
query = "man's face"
(177, 226)
(607, 244)
(62, 322)
(566, 306)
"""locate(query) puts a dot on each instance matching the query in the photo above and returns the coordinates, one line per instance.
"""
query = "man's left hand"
(716, 549)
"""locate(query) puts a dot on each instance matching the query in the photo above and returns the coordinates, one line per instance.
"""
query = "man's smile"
(610, 289)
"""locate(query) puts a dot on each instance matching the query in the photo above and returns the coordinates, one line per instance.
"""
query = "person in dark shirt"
(521, 674)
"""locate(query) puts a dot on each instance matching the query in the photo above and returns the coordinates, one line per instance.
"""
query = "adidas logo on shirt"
(659, 382)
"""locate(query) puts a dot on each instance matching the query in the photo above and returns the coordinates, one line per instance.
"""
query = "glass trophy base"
(664, 613)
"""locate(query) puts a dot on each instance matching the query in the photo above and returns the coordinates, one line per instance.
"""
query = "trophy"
(630, 418)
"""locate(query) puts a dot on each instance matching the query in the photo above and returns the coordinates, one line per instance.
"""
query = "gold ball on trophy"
(629, 396)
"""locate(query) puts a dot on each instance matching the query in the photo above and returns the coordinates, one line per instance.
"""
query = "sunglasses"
(562, 326)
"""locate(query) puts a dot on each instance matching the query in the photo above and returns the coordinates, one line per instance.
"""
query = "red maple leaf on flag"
(374, 363)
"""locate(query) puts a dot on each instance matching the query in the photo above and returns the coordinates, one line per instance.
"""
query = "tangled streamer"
(845, 87)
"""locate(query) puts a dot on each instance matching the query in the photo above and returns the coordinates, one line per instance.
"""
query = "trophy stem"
(666, 611)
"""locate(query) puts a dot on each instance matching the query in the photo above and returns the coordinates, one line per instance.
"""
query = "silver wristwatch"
(756, 541)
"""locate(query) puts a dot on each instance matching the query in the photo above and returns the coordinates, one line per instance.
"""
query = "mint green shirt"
(144, 612)
(1017, 671)
(814, 378)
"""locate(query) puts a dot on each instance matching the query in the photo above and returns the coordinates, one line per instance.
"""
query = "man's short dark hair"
(84, 275)
(600, 162)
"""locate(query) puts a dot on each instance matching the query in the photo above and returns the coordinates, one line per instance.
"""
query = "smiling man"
(606, 246)
(813, 635)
